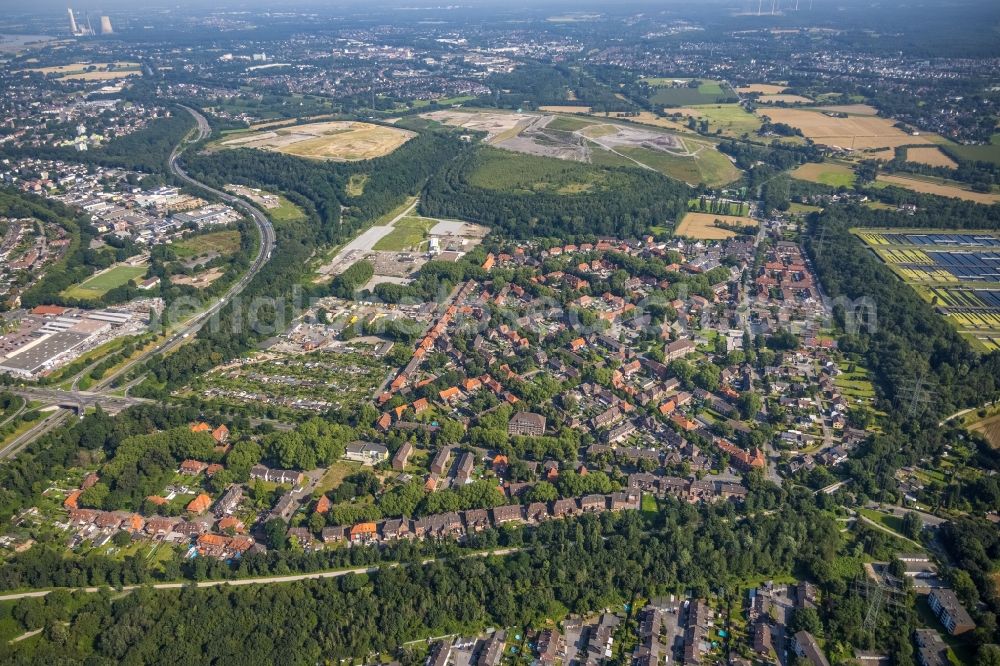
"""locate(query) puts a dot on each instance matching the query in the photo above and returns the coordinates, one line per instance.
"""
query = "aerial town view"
(529, 333)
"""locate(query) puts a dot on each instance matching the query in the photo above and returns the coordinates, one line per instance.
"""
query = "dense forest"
(650, 199)
(922, 369)
(579, 566)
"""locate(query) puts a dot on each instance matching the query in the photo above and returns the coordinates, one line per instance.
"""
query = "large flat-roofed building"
(526, 423)
(931, 649)
(36, 357)
(950, 611)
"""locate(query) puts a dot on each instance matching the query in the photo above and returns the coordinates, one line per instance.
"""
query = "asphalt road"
(183, 333)
(47, 424)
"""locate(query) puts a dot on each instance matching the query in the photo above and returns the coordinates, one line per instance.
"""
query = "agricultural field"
(784, 99)
(101, 283)
(931, 156)
(701, 226)
(851, 133)
(956, 272)
(336, 140)
(826, 173)
(941, 188)
(94, 71)
(670, 92)
(762, 89)
(407, 234)
(316, 381)
(732, 119)
(986, 153)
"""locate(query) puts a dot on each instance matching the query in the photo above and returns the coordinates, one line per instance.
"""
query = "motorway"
(182, 334)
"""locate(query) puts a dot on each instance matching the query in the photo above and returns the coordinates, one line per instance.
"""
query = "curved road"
(264, 226)
(194, 323)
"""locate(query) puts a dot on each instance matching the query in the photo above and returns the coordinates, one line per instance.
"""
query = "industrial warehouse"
(50, 336)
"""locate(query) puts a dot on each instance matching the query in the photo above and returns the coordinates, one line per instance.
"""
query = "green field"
(97, 285)
(732, 119)
(987, 153)
(285, 211)
(826, 173)
(855, 384)
(709, 166)
(222, 242)
(570, 124)
(495, 169)
(408, 233)
(708, 92)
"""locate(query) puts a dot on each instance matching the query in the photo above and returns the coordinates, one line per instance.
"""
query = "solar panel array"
(969, 266)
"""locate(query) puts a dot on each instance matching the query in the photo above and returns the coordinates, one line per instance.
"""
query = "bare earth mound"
(339, 140)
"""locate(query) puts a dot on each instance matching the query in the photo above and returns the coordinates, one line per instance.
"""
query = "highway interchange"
(78, 401)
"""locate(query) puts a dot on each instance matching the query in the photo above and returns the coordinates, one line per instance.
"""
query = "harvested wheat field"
(850, 109)
(339, 140)
(930, 156)
(762, 88)
(701, 226)
(940, 189)
(851, 133)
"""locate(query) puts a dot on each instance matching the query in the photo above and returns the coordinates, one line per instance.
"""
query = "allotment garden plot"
(277, 383)
(958, 273)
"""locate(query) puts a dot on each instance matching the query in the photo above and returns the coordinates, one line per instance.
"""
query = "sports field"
(97, 285)
(825, 173)
(701, 226)
(337, 140)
